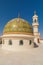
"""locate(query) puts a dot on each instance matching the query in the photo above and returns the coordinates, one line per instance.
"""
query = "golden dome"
(17, 25)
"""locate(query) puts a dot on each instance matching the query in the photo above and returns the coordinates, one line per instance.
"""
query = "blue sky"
(9, 9)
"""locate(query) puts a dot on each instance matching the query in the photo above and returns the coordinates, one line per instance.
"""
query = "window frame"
(10, 42)
(30, 42)
(21, 42)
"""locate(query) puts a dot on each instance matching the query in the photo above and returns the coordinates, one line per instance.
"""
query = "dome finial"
(18, 15)
(34, 12)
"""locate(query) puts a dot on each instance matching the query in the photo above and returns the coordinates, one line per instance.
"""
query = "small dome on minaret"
(35, 15)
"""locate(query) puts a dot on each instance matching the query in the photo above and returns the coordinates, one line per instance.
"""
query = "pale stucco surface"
(33, 56)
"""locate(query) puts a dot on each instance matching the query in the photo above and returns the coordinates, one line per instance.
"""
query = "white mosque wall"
(16, 44)
(18, 35)
(35, 29)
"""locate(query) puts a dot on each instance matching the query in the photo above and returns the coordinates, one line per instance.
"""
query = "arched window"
(35, 20)
(21, 42)
(10, 42)
(30, 42)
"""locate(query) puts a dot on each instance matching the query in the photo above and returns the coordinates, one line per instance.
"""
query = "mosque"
(18, 34)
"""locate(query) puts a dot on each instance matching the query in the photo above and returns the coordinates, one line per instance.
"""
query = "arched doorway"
(38, 40)
(10, 42)
(21, 42)
(30, 42)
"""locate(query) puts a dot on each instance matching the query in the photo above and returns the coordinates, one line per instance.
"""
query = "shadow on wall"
(0, 40)
(35, 45)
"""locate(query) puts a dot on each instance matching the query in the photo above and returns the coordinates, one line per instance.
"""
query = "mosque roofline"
(18, 33)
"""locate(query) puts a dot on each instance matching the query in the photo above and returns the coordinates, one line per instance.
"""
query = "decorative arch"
(10, 42)
(30, 42)
(38, 40)
(21, 42)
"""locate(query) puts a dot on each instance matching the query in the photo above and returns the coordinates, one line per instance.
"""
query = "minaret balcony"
(35, 24)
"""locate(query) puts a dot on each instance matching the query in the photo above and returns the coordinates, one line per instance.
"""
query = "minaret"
(35, 25)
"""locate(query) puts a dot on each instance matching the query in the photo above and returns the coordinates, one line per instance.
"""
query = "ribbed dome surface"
(17, 25)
